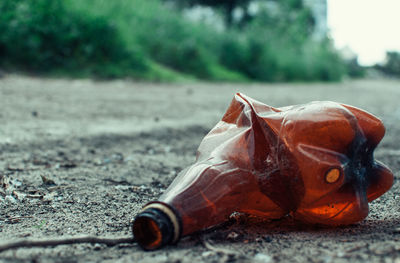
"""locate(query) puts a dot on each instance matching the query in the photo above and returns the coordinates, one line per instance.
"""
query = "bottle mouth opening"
(147, 233)
(155, 226)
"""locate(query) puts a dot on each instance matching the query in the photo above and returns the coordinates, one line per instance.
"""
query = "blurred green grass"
(149, 41)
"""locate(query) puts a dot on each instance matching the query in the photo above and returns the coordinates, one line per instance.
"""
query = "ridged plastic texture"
(314, 161)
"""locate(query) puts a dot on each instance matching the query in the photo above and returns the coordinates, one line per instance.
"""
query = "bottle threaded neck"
(156, 226)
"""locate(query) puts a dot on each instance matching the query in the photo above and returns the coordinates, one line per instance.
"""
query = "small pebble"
(264, 258)
(232, 235)
(10, 199)
(267, 239)
(206, 254)
(97, 247)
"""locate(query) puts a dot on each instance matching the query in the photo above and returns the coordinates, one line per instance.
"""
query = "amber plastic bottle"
(314, 161)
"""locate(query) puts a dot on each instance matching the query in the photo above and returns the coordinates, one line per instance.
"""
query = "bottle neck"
(156, 225)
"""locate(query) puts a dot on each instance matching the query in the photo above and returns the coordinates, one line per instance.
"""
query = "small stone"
(49, 197)
(68, 165)
(10, 199)
(4, 182)
(16, 182)
(262, 258)
(18, 195)
(24, 235)
(46, 181)
(98, 162)
(97, 247)
(118, 157)
(207, 254)
(232, 236)
(267, 239)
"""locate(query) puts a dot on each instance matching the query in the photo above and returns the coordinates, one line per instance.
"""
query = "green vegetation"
(48, 36)
(147, 40)
(354, 69)
(392, 64)
(227, 6)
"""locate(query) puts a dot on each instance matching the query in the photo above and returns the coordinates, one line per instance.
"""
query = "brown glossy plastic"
(314, 161)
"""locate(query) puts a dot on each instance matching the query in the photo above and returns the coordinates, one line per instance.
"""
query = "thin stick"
(218, 250)
(65, 241)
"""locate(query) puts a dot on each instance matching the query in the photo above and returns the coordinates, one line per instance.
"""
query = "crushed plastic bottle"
(314, 161)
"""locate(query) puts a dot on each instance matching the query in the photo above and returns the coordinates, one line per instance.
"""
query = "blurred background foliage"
(391, 66)
(154, 40)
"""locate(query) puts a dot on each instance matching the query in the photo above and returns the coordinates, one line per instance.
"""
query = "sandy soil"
(82, 157)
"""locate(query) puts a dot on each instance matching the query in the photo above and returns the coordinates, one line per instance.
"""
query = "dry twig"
(26, 243)
(218, 250)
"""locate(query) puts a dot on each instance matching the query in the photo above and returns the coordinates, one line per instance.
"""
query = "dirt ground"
(82, 157)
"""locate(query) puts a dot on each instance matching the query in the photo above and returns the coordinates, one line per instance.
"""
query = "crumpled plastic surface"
(314, 161)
